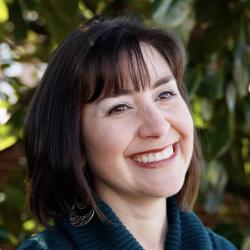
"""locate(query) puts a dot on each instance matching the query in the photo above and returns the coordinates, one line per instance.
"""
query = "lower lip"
(158, 164)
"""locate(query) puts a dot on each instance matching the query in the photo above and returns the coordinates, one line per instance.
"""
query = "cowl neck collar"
(185, 231)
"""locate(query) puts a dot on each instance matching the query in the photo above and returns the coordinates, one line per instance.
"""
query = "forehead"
(140, 71)
(155, 63)
(135, 69)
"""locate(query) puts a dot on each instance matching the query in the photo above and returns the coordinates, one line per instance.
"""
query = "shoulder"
(191, 220)
(46, 240)
(219, 242)
(35, 242)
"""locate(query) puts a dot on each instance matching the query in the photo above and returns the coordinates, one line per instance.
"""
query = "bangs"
(112, 67)
(113, 59)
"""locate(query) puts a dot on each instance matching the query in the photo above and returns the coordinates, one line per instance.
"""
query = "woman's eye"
(118, 109)
(166, 95)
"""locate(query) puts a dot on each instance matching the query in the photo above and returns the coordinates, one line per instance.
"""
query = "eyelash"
(169, 92)
(116, 108)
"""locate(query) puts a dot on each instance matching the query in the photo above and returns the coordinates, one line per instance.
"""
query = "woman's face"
(139, 144)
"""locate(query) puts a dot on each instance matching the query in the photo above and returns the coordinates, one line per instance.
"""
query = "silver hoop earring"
(81, 215)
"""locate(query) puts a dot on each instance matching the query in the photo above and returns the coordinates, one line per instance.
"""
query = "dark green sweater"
(185, 232)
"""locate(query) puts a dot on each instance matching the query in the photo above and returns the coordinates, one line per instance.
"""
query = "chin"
(164, 191)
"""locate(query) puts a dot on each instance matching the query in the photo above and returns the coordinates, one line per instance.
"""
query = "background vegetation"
(216, 34)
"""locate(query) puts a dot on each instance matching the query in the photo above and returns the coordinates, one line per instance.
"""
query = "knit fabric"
(185, 232)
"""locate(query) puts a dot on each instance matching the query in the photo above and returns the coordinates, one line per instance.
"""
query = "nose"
(154, 124)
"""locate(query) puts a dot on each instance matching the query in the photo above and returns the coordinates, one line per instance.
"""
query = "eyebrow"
(159, 82)
(163, 80)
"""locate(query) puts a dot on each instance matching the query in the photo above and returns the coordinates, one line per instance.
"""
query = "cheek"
(105, 150)
(183, 124)
(183, 120)
(107, 143)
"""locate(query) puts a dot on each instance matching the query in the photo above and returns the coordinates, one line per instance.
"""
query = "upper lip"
(154, 150)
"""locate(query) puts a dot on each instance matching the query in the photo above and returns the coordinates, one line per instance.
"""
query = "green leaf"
(90, 4)
(172, 13)
(217, 178)
(241, 66)
(7, 237)
(16, 17)
(231, 97)
(212, 86)
(7, 141)
(243, 111)
(220, 135)
(61, 17)
(4, 104)
(161, 8)
(29, 225)
(4, 13)
(246, 243)
(175, 14)
(193, 79)
(12, 130)
(203, 111)
(200, 113)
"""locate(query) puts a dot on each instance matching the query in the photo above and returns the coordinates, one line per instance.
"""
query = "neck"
(145, 218)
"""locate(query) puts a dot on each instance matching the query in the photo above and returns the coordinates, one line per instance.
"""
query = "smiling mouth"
(165, 154)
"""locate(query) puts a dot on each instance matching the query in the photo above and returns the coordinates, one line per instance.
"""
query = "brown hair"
(86, 66)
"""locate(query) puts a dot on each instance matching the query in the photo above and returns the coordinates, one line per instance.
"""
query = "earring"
(81, 215)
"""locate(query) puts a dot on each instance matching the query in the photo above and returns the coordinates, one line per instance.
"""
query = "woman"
(112, 152)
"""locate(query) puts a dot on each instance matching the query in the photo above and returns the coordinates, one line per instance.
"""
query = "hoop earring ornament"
(81, 215)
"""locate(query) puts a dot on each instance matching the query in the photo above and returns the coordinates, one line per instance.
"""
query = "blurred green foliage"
(216, 35)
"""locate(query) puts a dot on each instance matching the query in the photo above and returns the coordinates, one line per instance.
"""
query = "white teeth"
(158, 156)
(153, 157)
(144, 158)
